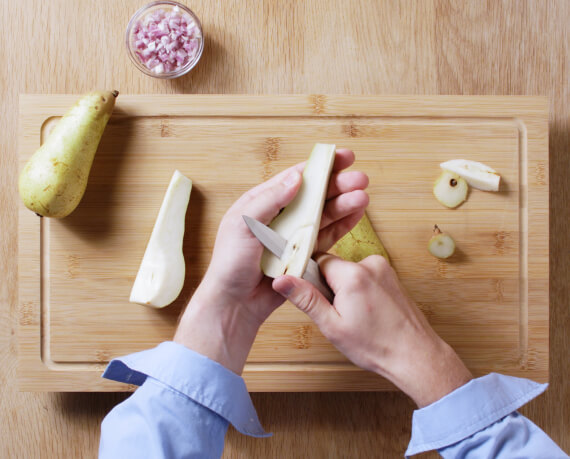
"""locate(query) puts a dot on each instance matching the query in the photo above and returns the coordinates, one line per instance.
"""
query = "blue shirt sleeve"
(186, 402)
(182, 409)
(479, 420)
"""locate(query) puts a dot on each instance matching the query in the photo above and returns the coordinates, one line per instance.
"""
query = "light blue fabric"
(182, 409)
(479, 420)
(186, 402)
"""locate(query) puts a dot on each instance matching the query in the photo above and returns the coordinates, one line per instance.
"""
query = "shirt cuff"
(469, 409)
(194, 375)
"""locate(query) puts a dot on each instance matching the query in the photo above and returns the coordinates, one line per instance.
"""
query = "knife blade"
(276, 244)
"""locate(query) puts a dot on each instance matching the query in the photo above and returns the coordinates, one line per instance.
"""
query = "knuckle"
(249, 196)
(358, 277)
(378, 265)
(307, 300)
(263, 196)
(377, 260)
(367, 272)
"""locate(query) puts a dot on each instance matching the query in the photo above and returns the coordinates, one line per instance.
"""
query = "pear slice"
(441, 245)
(476, 174)
(54, 179)
(161, 274)
(450, 189)
(300, 220)
(360, 242)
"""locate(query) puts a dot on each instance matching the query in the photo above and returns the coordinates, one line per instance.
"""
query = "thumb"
(266, 200)
(307, 298)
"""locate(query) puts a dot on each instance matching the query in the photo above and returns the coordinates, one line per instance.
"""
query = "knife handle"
(313, 275)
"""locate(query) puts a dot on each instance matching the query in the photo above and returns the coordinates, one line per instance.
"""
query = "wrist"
(428, 370)
(212, 325)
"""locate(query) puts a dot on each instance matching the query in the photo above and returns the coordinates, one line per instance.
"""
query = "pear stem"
(436, 230)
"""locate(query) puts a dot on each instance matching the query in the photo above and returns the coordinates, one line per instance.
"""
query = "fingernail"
(291, 179)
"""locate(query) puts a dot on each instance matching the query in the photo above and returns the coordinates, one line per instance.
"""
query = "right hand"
(378, 327)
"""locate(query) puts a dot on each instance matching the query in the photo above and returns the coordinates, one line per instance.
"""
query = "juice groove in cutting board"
(490, 301)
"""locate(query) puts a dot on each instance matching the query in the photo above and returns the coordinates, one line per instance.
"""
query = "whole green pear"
(54, 179)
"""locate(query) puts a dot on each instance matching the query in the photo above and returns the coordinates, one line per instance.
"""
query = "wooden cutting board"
(490, 301)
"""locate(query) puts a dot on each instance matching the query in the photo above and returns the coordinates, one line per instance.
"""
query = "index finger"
(335, 270)
(344, 158)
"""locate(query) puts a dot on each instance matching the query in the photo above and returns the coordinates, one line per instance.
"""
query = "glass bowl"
(151, 17)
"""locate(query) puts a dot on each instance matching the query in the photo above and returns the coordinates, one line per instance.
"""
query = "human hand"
(378, 327)
(234, 297)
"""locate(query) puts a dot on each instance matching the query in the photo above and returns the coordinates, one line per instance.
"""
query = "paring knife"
(276, 244)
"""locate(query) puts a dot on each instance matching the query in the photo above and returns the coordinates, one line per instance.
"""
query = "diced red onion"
(165, 41)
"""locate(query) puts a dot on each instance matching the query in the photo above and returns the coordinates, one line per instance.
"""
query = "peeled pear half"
(299, 222)
(161, 275)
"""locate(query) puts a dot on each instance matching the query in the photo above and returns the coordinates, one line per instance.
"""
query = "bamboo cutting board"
(490, 301)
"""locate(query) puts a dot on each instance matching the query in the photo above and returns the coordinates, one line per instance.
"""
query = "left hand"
(234, 297)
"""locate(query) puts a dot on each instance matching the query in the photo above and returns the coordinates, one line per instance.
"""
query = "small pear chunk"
(360, 242)
(162, 271)
(54, 179)
(450, 189)
(476, 174)
(300, 221)
(441, 245)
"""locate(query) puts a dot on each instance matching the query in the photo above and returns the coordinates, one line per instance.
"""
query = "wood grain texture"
(359, 47)
(490, 301)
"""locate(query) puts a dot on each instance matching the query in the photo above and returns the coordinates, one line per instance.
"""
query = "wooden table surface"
(273, 47)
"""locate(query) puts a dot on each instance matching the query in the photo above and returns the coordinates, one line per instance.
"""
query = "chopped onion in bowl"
(165, 41)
